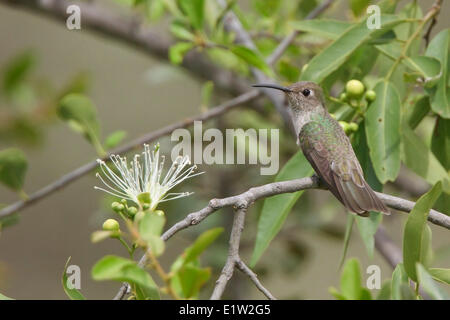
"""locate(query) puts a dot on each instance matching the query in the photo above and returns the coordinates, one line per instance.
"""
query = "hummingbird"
(328, 149)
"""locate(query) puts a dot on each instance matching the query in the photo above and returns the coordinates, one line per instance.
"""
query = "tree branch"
(254, 278)
(248, 197)
(233, 251)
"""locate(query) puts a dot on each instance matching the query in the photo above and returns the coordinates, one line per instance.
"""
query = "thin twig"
(437, 4)
(254, 278)
(233, 251)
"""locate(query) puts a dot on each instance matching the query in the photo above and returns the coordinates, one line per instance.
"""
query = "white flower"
(143, 177)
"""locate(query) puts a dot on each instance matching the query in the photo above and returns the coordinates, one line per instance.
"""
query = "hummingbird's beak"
(272, 86)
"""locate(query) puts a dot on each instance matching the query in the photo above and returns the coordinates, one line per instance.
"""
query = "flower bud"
(354, 88)
(159, 212)
(353, 126)
(111, 225)
(139, 216)
(344, 125)
(117, 207)
(371, 95)
(132, 211)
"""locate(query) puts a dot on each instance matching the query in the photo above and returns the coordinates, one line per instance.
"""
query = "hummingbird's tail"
(360, 199)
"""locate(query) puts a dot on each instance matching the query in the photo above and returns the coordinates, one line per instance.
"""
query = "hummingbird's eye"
(306, 92)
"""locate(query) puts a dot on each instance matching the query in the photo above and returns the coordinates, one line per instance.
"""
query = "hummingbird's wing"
(333, 159)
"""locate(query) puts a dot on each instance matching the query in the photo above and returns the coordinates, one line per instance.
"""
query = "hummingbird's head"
(302, 96)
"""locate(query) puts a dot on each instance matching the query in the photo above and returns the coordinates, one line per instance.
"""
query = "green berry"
(353, 126)
(145, 206)
(117, 207)
(343, 96)
(354, 88)
(344, 125)
(111, 225)
(160, 213)
(353, 103)
(132, 211)
(371, 95)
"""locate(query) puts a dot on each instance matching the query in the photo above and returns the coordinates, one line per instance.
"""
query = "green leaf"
(180, 31)
(348, 233)
(440, 142)
(8, 221)
(101, 235)
(429, 285)
(367, 229)
(178, 50)
(419, 158)
(416, 238)
(385, 291)
(382, 125)
(155, 9)
(336, 293)
(276, 209)
(201, 244)
(114, 139)
(192, 278)
(17, 70)
(351, 280)
(440, 94)
(188, 276)
(150, 229)
(329, 29)
(72, 293)
(289, 71)
(3, 297)
(338, 52)
(152, 223)
(121, 269)
(13, 167)
(194, 9)
(252, 58)
(207, 90)
(359, 6)
(81, 114)
(416, 113)
(429, 68)
(399, 283)
(440, 274)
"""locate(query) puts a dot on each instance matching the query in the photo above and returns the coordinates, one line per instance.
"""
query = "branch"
(387, 248)
(233, 251)
(437, 6)
(247, 198)
(254, 278)
(88, 167)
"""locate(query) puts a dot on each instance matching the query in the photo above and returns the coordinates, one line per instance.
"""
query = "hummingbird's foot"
(319, 181)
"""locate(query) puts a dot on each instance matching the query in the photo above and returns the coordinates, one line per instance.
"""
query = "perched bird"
(328, 149)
